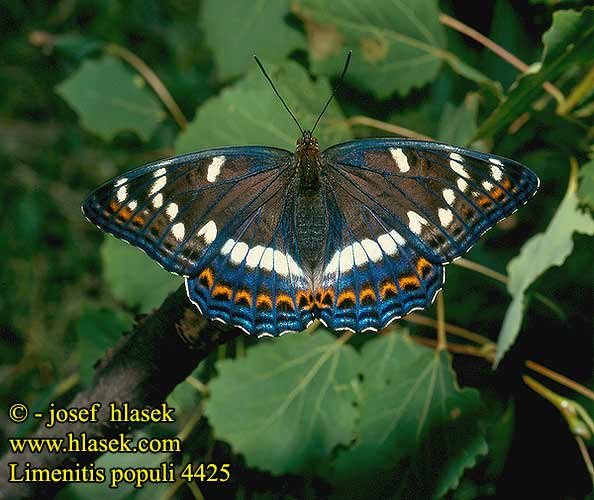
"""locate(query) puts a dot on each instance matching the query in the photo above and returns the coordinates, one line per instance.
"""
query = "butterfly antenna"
(276, 92)
(338, 84)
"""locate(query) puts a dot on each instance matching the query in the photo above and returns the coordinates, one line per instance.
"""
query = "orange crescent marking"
(283, 298)
(208, 276)
(367, 293)
(388, 286)
(243, 294)
(405, 281)
(264, 300)
(344, 296)
(423, 267)
(222, 289)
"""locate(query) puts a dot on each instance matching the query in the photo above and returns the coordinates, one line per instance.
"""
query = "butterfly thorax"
(308, 163)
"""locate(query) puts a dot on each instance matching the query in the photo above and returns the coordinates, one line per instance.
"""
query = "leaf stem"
(479, 268)
(577, 94)
(568, 408)
(559, 378)
(451, 329)
(441, 332)
(152, 79)
(499, 50)
(586, 457)
(456, 348)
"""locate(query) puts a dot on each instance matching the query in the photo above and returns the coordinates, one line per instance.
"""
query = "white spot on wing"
(254, 255)
(496, 162)
(158, 185)
(457, 167)
(332, 266)
(487, 185)
(158, 200)
(178, 231)
(132, 205)
(397, 237)
(445, 216)
(462, 185)
(214, 169)
(267, 261)
(122, 194)
(415, 221)
(172, 210)
(372, 249)
(496, 172)
(449, 196)
(160, 172)
(239, 252)
(294, 267)
(387, 243)
(347, 259)
(228, 246)
(209, 232)
(400, 159)
(121, 181)
(359, 254)
(281, 265)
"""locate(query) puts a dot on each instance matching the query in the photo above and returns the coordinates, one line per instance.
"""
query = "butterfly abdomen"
(311, 224)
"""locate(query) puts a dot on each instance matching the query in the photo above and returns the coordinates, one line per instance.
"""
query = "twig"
(579, 92)
(456, 348)
(499, 50)
(388, 127)
(451, 329)
(585, 457)
(152, 79)
(441, 332)
(559, 378)
(479, 268)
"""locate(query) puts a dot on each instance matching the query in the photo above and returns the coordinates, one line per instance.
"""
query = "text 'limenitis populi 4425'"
(357, 235)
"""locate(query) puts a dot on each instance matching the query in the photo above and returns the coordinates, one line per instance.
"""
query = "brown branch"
(141, 370)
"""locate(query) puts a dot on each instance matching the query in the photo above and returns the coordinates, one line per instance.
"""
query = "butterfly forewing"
(438, 197)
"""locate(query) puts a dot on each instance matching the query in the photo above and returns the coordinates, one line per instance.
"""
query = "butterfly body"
(357, 235)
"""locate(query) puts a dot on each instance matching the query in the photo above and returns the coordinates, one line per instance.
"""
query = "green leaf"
(397, 45)
(236, 30)
(418, 430)
(586, 190)
(249, 113)
(109, 99)
(538, 254)
(133, 277)
(98, 329)
(288, 403)
(570, 40)
(458, 124)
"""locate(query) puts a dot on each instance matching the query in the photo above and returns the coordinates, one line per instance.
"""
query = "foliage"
(307, 415)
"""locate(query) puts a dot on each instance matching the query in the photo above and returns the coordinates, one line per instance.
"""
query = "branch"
(141, 370)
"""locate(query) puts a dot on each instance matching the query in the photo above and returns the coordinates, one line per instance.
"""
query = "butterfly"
(357, 235)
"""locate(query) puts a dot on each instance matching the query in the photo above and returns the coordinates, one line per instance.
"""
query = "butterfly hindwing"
(256, 280)
(371, 275)
(439, 197)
